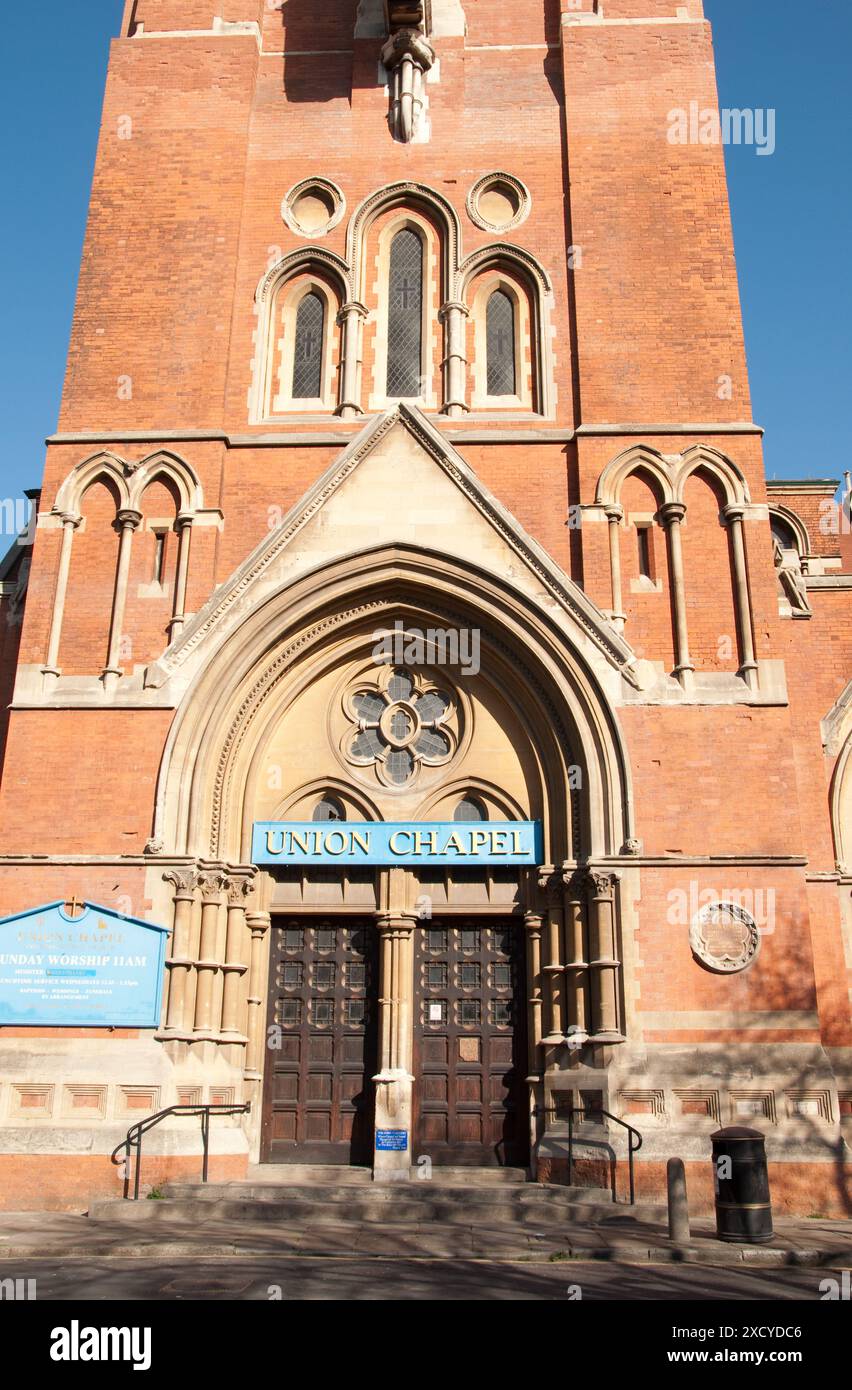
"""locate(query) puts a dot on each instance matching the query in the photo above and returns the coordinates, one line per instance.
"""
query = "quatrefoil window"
(401, 722)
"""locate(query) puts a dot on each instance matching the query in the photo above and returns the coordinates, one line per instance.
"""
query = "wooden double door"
(469, 1042)
(322, 1041)
(470, 1061)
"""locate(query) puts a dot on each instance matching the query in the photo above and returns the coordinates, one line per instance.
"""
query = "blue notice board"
(96, 970)
(395, 1139)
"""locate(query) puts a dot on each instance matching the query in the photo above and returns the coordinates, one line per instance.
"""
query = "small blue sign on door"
(395, 1139)
(95, 970)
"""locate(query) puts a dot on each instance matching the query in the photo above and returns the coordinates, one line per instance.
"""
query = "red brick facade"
(633, 350)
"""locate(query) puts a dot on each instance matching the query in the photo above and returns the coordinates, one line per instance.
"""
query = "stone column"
(453, 315)
(551, 884)
(615, 516)
(259, 924)
(235, 966)
(604, 965)
(180, 960)
(533, 922)
(576, 958)
(70, 522)
(178, 618)
(394, 1080)
(212, 881)
(672, 514)
(350, 318)
(733, 515)
(127, 521)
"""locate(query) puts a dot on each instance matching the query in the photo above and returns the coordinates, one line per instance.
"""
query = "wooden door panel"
(470, 1043)
(318, 1091)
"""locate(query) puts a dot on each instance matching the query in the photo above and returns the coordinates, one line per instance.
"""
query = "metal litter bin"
(741, 1185)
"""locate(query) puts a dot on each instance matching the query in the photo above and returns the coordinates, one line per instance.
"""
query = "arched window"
(470, 809)
(307, 358)
(405, 316)
(500, 344)
(329, 808)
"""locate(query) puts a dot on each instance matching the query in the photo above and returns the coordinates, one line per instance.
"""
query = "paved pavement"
(254, 1279)
(147, 1234)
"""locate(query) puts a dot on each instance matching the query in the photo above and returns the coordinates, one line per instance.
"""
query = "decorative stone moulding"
(498, 202)
(313, 207)
(724, 937)
(407, 57)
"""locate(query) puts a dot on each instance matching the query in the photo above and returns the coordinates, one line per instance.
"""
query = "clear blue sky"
(791, 213)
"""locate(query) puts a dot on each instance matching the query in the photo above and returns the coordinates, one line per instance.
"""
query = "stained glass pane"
(500, 333)
(405, 315)
(367, 744)
(328, 809)
(469, 809)
(400, 766)
(400, 686)
(432, 706)
(401, 725)
(368, 707)
(432, 744)
(307, 361)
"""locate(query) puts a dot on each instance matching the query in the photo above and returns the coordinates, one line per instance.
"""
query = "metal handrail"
(631, 1147)
(133, 1138)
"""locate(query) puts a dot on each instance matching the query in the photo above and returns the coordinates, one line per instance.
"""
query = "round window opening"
(498, 202)
(312, 208)
(399, 725)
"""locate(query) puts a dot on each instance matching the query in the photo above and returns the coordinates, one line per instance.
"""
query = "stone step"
(327, 1175)
(361, 1211)
(385, 1196)
(306, 1174)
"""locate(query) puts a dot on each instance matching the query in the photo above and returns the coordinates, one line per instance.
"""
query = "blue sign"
(402, 842)
(395, 1139)
(96, 970)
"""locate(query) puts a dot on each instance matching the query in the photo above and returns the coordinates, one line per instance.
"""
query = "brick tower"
(417, 324)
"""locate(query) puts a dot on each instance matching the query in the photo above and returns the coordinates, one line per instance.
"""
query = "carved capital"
(212, 882)
(574, 881)
(550, 884)
(128, 518)
(238, 887)
(184, 880)
(600, 884)
(673, 513)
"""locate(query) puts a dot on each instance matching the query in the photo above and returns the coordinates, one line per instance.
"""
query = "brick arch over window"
(517, 274)
(513, 299)
(275, 389)
(354, 281)
(674, 479)
(117, 505)
(90, 576)
(406, 251)
(794, 526)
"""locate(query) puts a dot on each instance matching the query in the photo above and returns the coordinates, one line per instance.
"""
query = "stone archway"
(569, 772)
